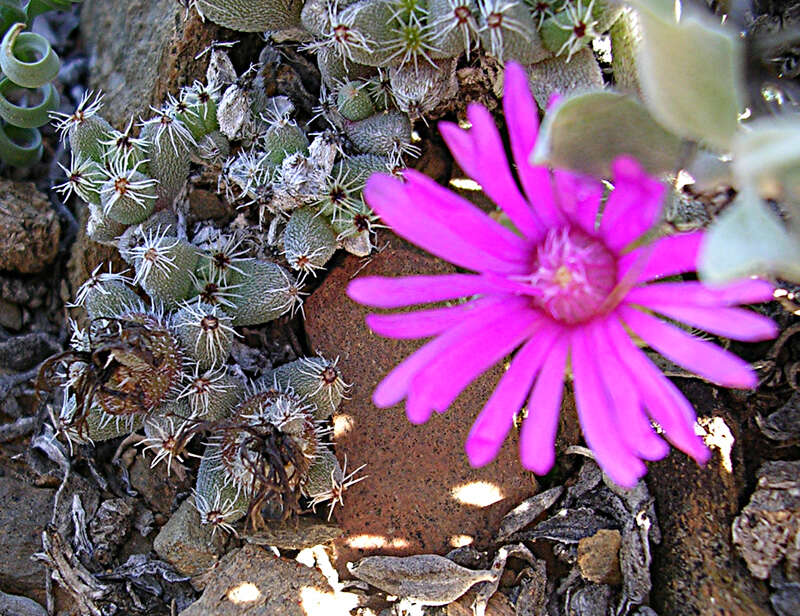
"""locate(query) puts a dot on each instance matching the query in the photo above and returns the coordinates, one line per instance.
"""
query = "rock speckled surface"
(29, 241)
(254, 582)
(162, 40)
(24, 511)
(407, 504)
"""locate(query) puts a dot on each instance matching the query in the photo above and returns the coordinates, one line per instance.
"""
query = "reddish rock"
(406, 505)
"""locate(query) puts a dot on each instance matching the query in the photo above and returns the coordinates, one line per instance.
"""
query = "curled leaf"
(690, 71)
(588, 131)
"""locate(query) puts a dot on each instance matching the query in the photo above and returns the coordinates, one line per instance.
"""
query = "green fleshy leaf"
(691, 73)
(588, 131)
(748, 238)
(767, 154)
(710, 171)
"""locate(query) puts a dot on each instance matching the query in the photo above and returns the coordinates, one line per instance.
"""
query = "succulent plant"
(251, 15)
(169, 372)
(28, 63)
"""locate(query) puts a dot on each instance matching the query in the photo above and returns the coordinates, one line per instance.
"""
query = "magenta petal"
(665, 403)
(445, 377)
(693, 293)
(633, 206)
(495, 420)
(460, 215)
(596, 417)
(382, 292)
(669, 256)
(489, 167)
(389, 198)
(701, 357)
(420, 324)
(735, 323)
(579, 198)
(460, 144)
(521, 115)
(538, 434)
(633, 424)
(418, 408)
(394, 387)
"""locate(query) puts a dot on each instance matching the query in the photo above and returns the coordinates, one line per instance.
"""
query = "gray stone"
(23, 352)
(29, 228)
(24, 511)
(253, 582)
(141, 50)
(768, 529)
(10, 315)
(187, 544)
(13, 605)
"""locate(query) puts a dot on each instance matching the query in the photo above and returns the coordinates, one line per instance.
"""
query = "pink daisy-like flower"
(568, 286)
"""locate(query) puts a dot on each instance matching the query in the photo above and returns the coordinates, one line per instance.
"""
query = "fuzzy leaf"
(749, 238)
(690, 72)
(768, 154)
(588, 131)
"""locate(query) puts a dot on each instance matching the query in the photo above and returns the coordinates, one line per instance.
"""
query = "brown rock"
(205, 205)
(408, 503)
(29, 228)
(695, 569)
(141, 50)
(24, 511)
(253, 582)
(498, 605)
(598, 557)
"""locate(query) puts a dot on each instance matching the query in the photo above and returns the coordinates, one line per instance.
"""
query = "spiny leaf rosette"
(568, 285)
(133, 363)
(267, 447)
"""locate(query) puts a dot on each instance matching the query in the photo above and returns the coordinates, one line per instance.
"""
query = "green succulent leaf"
(690, 72)
(767, 153)
(748, 238)
(588, 131)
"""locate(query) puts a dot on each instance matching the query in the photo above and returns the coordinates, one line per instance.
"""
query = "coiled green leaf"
(27, 97)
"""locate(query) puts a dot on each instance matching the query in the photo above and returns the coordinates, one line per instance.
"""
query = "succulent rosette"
(568, 289)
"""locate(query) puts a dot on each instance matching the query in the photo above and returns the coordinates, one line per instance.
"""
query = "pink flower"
(568, 286)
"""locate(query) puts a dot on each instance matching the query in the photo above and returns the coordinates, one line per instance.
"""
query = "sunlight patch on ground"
(459, 541)
(243, 593)
(477, 494)
(317, 603)
(465, 184)
(717, 435)
(371, 542)
(342, 424)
